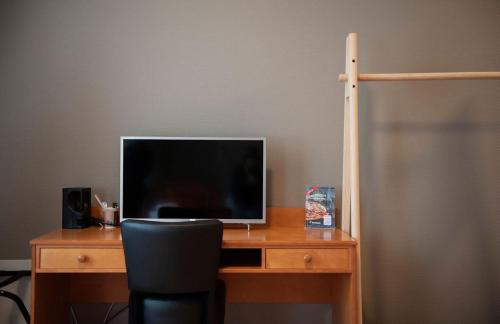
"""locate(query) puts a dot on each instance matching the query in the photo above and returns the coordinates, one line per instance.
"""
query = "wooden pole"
(350, 177)
(352, 82)
(346, 182)
(424, 76)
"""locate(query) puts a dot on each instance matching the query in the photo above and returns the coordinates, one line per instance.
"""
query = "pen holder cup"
(110, 216)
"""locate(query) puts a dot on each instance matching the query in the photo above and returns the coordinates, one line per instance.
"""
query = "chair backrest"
(168, 260)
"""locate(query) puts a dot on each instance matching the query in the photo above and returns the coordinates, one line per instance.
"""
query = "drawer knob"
(82, 258)
(307, 258)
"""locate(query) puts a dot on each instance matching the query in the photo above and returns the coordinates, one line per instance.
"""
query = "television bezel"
(227, 221)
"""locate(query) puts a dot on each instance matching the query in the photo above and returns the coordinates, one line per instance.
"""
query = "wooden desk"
(278, 262)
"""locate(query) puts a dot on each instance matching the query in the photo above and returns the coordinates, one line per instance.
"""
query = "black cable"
(18, 302)
(14, 276)
(117, 313)
(108, 312)
(73, 314)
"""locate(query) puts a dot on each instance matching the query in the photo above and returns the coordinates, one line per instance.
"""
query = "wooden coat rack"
(351, 214)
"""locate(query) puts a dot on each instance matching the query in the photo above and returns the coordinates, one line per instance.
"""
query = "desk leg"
(49, 293)
(49, 298)
(344, 305)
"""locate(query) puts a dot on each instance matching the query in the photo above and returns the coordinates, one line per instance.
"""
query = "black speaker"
(76, 207)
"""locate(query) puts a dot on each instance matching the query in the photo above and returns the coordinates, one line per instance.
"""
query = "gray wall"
(75, 75)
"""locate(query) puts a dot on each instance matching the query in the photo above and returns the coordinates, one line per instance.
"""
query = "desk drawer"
(335, 260)
(81, 258)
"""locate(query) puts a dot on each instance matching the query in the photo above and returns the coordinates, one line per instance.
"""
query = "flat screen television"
(181, 178)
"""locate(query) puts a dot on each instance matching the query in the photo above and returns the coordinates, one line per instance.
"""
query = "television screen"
(172, 178)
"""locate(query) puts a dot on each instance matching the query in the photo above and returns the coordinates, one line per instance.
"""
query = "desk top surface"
(284, 228)
(259, 237)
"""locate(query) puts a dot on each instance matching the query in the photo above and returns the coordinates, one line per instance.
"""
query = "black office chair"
(172, 272)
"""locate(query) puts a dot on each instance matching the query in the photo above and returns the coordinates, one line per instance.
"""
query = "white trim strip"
(14, 265)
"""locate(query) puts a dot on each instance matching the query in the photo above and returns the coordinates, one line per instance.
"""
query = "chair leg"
(220, 301)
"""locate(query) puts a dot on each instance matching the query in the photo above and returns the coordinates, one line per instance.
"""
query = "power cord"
(107, 313)
(73, 314)
(107, 320)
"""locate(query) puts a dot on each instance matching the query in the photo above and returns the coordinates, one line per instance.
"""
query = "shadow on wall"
(429, 246)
